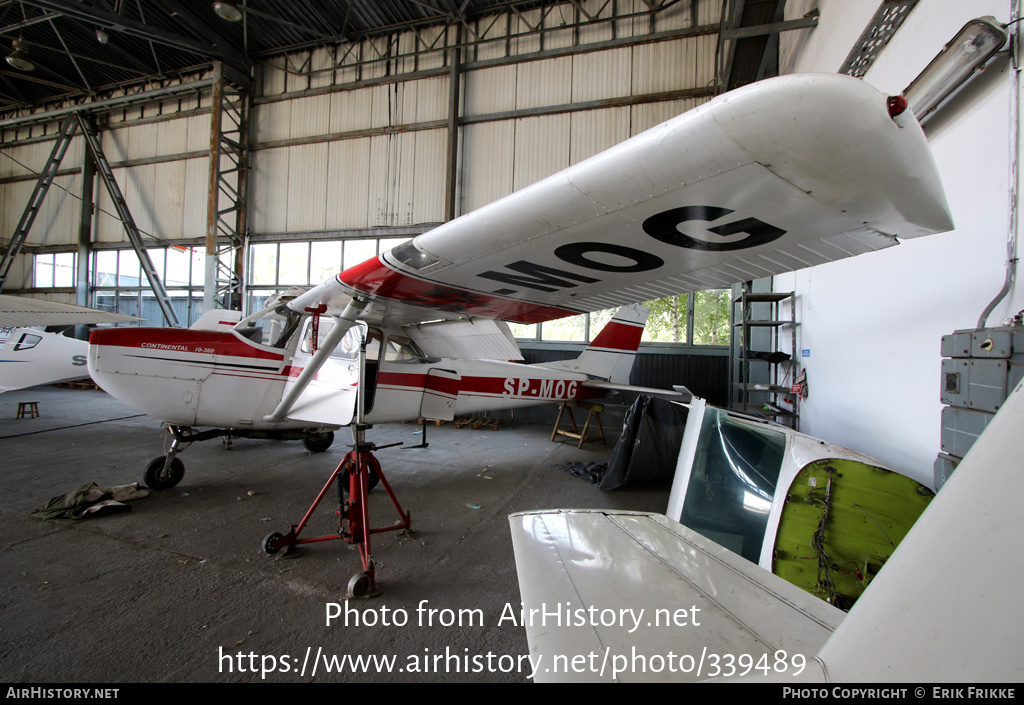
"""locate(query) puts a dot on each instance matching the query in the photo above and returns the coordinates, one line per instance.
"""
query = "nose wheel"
(166, 471)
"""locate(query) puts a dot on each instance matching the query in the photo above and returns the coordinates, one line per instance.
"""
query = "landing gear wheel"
(156, 479)
(269, 542)
(359, 585)
(318, 442)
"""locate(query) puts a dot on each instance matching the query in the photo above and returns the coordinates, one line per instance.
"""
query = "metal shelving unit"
(760, 374)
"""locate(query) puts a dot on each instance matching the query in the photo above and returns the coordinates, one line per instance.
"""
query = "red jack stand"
(353, 513)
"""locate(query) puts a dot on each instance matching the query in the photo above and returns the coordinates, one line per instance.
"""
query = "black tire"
(269, 540)
(318, 442)
(155, 477)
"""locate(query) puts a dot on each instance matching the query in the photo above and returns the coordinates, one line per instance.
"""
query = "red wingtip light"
(896, 104)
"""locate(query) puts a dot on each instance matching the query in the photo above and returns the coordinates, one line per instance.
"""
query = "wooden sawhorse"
(593, 410)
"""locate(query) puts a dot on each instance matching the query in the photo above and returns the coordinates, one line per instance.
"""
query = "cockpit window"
(732, 482)
(407, 253)
(401, 349)
(27, 341)
(271, 326)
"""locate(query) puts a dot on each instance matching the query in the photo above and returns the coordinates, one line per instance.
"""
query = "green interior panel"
(841, 521)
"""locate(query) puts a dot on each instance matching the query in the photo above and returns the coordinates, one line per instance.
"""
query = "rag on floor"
(90, 500)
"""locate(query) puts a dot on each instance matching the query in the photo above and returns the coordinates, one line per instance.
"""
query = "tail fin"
(611, 354)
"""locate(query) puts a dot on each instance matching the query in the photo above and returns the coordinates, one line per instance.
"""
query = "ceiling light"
(967, 52)
(101, 36)
(227, 11)
(19, 57)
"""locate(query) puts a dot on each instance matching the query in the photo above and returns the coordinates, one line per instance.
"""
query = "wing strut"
(341, 326)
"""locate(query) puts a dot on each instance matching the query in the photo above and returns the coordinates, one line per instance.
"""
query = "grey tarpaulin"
(89, 500)
(647, 450)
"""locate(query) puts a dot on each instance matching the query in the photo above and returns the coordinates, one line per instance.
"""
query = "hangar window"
(700, 320)
(276, 266)
(55, 269)
(120, 285)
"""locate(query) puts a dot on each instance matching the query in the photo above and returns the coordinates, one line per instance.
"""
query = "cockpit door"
(330, 398)
(440, 392)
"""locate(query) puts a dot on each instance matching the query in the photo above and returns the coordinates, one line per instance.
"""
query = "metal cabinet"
(979, 370)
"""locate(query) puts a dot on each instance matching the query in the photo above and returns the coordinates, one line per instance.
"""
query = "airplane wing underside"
(17, 311)
(783, 174)
(628, 596)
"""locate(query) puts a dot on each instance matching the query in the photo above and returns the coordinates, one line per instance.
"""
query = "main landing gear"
(166, 471)
(357, 474)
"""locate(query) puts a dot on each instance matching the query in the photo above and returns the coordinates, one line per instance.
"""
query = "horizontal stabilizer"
(677, 393)
(917, 621)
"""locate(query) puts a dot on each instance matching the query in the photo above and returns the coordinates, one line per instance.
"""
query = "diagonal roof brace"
(811, 20)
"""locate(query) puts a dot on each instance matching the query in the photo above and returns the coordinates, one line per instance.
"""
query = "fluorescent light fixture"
(19, 57)
(966, 53)
(227, 11)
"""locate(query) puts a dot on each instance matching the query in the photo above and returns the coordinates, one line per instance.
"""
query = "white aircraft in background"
(776, 176)
(639, 597)
(29, 356)
(254, 379)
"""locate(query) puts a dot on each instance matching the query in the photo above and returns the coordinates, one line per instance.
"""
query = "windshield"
(271, 326)
(732, 482)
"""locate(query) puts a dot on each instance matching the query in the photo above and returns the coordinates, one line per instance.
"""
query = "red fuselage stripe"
(188, 341)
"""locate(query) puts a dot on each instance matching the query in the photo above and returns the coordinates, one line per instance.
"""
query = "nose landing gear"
(166, 471)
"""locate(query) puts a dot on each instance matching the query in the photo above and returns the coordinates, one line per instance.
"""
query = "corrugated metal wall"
(160, 162)
(343, 142)
(349, 137)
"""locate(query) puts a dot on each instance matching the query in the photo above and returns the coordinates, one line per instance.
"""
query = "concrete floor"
(179, 589)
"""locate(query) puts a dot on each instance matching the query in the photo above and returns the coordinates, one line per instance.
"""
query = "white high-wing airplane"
(30, 357)
(633, 597)
(783, 174)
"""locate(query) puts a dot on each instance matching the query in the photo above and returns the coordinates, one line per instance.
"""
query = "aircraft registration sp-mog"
(776, 176)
